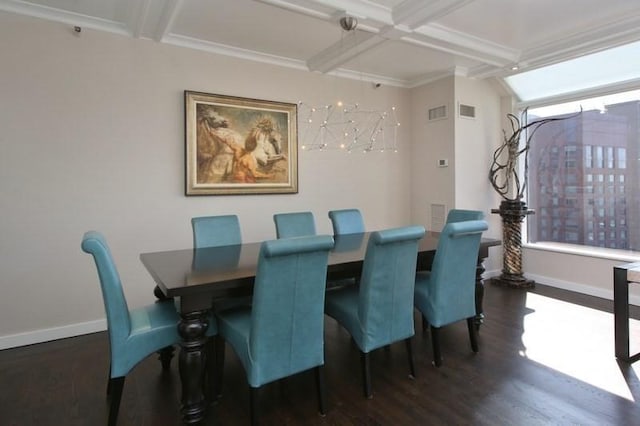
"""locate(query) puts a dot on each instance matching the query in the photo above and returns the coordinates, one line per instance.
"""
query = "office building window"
(579, 173)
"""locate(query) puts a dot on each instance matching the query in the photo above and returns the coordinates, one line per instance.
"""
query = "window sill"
(578, 250)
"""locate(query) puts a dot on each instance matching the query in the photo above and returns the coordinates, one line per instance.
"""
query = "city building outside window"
(584, 170)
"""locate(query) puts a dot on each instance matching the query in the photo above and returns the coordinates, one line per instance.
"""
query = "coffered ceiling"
(397, 42)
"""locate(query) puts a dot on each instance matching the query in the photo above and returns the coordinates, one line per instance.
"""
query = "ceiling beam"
(169, 13)
(350, 46)
(416, 13)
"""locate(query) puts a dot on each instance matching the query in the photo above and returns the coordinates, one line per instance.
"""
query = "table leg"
(192, 329)
(480, 269)
(621, 313)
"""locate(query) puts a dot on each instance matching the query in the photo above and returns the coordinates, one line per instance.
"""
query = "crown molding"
(69, 18)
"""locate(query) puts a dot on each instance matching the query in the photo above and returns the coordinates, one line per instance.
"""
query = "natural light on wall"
(617, 65)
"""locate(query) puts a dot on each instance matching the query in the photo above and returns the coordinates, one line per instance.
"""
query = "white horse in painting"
(216, 158)
(268, 142)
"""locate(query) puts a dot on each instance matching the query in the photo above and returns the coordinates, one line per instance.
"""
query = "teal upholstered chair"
(216, 231)
(347, 221)
(460, 215)
(447, 293)
(294, 224)
(282, 333)
(380, 311)
(133, 334)
(345, 224)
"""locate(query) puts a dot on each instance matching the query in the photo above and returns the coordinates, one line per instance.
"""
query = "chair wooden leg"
(366, 374)
(435, 342)
(425, 324)
(412, 368)
(253, 396)
(322, 398)
(115, 387)
(473, 333)
(109, 382)
(165, 355)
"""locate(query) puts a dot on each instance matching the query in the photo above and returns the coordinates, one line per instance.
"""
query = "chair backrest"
(215, 231)
(460, 215)
(385, 306)
(299, 224)
(115, 304)
(453, 272)
(347, 221)
(287, 322)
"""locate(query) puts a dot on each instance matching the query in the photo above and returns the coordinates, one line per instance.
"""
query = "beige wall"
(432, 140)
(92, 137)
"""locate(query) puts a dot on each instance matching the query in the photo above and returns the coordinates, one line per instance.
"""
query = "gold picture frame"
(239, 145)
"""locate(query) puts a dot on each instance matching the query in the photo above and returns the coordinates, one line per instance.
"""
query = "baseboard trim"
(48, 334)
(603, 293)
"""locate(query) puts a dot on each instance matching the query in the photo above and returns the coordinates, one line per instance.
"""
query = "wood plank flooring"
(546, 357)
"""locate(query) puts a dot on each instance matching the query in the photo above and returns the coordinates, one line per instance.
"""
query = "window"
(593, 148)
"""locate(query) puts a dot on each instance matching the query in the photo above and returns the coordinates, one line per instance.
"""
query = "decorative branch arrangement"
(503, 173)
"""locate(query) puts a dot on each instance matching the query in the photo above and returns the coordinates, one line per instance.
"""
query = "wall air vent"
(437, 113)
(466, 111)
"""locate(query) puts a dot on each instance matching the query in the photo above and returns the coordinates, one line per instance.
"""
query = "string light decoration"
(347, 127)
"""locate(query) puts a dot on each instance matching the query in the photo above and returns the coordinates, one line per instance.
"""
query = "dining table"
(196, 277)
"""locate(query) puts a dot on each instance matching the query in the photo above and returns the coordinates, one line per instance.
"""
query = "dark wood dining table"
(196, 277)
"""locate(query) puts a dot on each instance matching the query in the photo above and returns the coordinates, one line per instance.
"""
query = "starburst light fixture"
(347, 127)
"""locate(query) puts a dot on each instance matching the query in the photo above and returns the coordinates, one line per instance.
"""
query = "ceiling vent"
(466, 111)
(437, 113)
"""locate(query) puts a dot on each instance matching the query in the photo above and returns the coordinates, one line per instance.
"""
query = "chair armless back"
(385, 307)
(453, 273)
(115, 304)
(459, 215)
(294, 224)
(348, 221)
(287, 322)
(215, 231)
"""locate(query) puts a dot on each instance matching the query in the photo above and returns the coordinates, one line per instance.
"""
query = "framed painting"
(239, 145)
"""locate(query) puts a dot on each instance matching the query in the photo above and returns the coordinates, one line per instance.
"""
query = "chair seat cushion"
(342, 305)
(235, 327)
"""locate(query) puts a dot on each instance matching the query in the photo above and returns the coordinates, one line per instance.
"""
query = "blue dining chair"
(216, 231)
(282, 333)
(347, 221)
(294, 224)
(380, 311)
(446, 294)
(460, 215)
(133, 334)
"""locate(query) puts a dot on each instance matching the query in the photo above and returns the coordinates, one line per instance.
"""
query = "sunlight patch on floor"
(586, 353)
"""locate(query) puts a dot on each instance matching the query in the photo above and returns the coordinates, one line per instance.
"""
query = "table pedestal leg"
(192, 329)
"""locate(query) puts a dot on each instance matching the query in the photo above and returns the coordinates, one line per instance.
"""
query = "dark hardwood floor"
(546, 357)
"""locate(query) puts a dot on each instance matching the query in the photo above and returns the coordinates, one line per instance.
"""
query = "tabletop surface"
(192, 270)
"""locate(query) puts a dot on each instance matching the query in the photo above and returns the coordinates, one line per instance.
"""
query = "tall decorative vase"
(512, 214)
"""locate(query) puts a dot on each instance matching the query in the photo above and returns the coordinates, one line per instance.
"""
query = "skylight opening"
(617, 65)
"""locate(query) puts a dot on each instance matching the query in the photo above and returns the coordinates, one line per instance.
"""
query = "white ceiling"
(397, 42)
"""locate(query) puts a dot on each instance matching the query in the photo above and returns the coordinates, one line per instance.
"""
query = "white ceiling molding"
(58, 15)
(616, 33)
(138, 11)
(222, 49)
(169, 13)
(343, 50)
(415, 13)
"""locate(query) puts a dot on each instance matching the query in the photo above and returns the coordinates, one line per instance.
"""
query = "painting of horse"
(237, 146)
